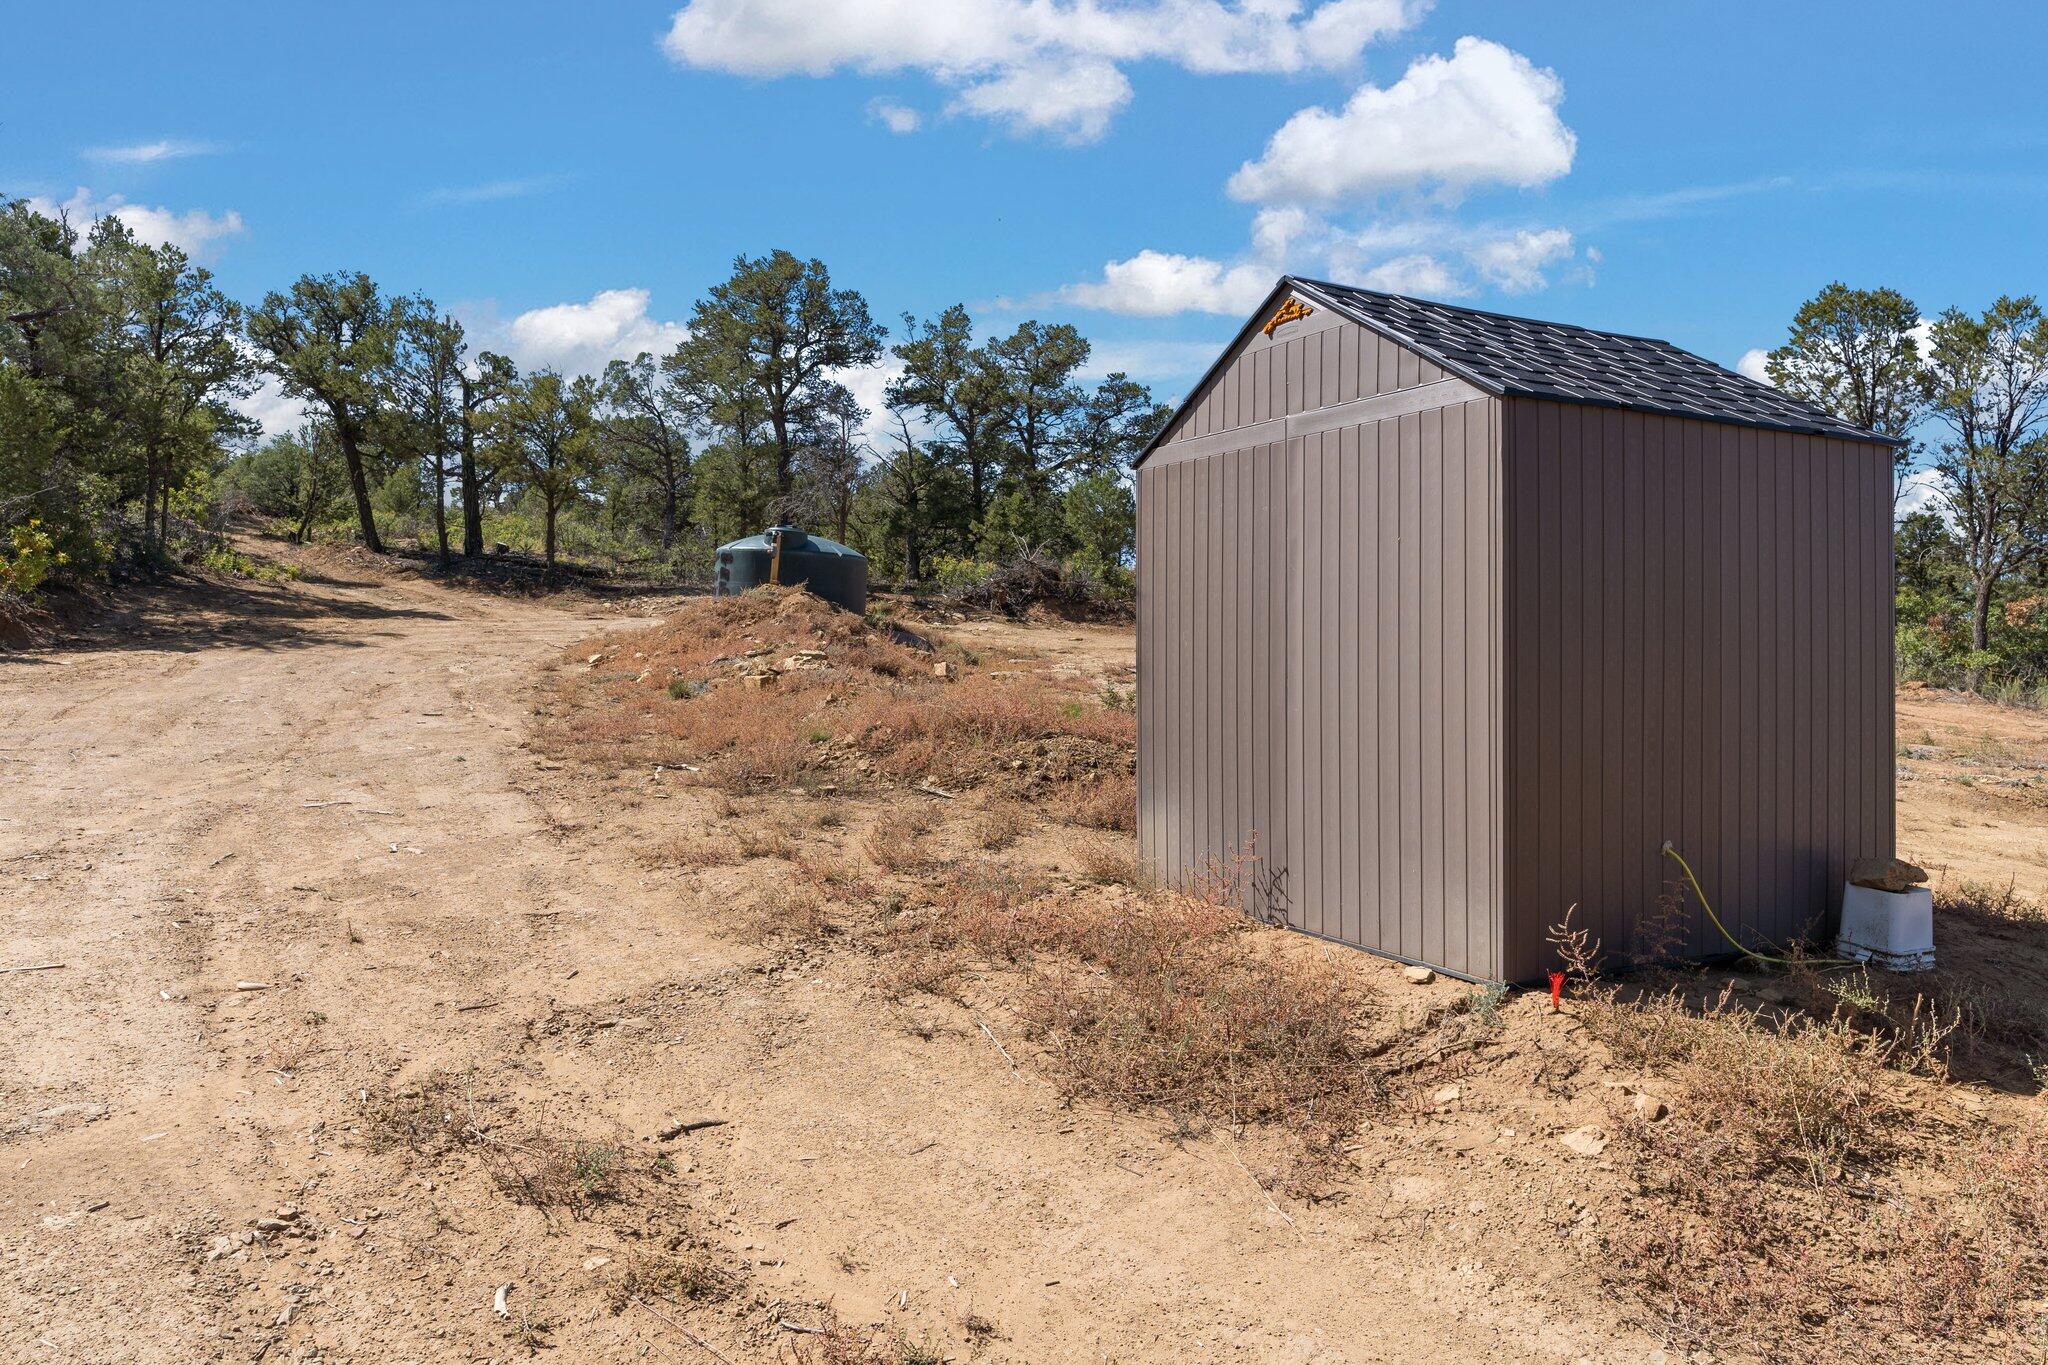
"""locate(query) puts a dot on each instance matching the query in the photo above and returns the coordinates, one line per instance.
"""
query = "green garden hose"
(1751, 953)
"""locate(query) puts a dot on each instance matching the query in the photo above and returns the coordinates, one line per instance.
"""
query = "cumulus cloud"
(897, 118)
(1483, 115)
(143, 153)
(1071, 101)
(1160, 283)
(195, 231)
(1515, 263)
(1429, 256)
(276, 411)
(1039, 66)
(1751, 366)
(580, 338)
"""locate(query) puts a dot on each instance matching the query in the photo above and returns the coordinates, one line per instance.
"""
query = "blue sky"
(570, 178)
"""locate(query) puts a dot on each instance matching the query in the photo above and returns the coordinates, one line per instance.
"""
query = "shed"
(1457, 617)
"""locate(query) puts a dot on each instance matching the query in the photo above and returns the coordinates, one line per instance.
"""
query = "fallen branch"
(32, 967)
(999, 1044)
(694, 1338)
(930, 790)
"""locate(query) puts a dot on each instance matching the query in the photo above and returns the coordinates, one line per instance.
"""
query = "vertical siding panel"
(1288, 388)
(1638, 829)
(1333, 384)
(1280, 588)
(1203, 676)
(1349, 541)
(1387, 367)
(1409, 371)
(1371, 678)
(1264, 573)
(1335, 549)
(1387, 619)
(1486, 651)
(1429, 695)
(1840, 608)
(1618, 846)
(1409, 443)
(1308, 805)
(1709, 528)
(1458, 630)
(1568, 457)
(1145, 481)
(1232, 660)
(1312, 371)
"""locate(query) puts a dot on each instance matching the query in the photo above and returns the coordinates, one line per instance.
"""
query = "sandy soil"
(321, 788)
(321, 791)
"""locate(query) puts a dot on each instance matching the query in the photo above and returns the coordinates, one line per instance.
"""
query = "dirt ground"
(294, 856)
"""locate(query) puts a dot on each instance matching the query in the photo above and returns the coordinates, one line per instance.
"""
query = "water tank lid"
(793, 541)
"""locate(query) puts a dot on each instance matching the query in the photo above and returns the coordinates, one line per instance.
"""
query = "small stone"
(757, 682)
(1418, 976)
(357, 1232)
(594, 660)
(1649, 1108)
(252, 985)
(1886, 874)
(942, 670)
(1587, 1142)
(1446, 1094)
(596, 1262)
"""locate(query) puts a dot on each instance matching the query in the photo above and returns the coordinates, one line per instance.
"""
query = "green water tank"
(785, 555)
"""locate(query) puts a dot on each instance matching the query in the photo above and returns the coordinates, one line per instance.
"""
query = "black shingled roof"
(1521, 356)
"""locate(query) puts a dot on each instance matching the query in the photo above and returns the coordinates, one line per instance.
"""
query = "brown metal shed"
(1458, 617)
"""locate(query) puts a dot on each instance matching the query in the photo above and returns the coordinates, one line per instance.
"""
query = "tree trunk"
(785, 478)
(359, 484)
(441, 503)
(1980, 625)
(550, 538)
(148, 498)
(472, 494)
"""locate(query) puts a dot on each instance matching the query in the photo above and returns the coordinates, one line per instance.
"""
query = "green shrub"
(33, 558)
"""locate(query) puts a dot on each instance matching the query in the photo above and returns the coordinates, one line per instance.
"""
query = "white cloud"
(196, 231)
(1073, 101)
(579, 338)
(1751, 366)
(1037, 65)
(1159, 283)
(1515, 263)
(276, 411)
(143, 153)
(1418, 273)
(1429, 256)
(1919, 491)
(897, 118)
(491, 191)
(1484, 115)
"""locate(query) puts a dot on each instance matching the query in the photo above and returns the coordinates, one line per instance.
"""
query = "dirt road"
(290, 853)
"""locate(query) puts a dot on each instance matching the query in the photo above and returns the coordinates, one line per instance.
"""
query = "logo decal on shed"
(1294, 310)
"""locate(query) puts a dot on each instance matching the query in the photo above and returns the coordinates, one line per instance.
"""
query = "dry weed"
(897, 841)
(999, 825)
(1112, 865)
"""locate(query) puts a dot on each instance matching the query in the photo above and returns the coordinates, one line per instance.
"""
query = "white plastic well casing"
(1893, 929)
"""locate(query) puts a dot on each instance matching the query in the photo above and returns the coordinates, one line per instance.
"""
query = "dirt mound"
(778, 690)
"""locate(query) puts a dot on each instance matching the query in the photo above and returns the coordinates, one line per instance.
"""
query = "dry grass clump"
(838, 700)
(1167, 1001)
(683, 1273)
(1761, 1095)
(899, 840)
(1107, 800)
(1796, 1202)
(428, 1119)
(999, 825)
(557, 1174)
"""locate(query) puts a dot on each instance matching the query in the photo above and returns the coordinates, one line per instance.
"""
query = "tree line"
(122, 365)
(1966, 395)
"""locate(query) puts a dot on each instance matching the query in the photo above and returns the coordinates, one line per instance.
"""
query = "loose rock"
(1418, 976)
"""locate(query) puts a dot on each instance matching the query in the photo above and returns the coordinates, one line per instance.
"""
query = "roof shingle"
(1577, 364)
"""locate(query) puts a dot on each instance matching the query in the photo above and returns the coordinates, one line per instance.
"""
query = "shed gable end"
(1296, 355)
